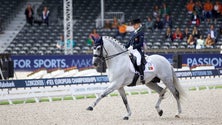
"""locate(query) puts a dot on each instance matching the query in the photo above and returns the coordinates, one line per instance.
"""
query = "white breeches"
(136, 53)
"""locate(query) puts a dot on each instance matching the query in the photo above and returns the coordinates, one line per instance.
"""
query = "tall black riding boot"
(141, 74)
(135, 78)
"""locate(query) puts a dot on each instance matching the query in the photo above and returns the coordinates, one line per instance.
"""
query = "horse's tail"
(181, 92)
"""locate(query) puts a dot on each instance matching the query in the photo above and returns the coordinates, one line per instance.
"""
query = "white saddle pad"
(149, 67)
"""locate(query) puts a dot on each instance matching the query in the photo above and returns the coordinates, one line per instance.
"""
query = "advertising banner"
(203, 59)
(4, 84)
(33, 62)
(52, 81)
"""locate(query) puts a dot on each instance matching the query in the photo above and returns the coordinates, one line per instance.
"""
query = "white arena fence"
(36, 89)
(120, 16)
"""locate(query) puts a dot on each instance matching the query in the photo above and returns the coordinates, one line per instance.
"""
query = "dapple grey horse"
(121, 74)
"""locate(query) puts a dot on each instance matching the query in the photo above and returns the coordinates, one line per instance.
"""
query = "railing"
(75, 86)
(110, 16)
(178, 50)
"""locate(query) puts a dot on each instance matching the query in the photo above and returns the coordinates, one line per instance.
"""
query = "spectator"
(1, 29)
(177, 35)
(164, 10)
(149, 23)
(29, 14)
(217, 10)
(70, 43)
(190, 7)
(200, 43)
(168, 21)
(121, 32)
(93, 36)
(208, 7)
(107, 25)
(198, 8)
(220, 28)
(186, 33)
(168, 34)
(195, 32)
(61, 43)
(45, 16)
(213, 33)
(191, 41)
(195, 19)
(115, 24)
(158, 24)
(209, 42)
(156, 11)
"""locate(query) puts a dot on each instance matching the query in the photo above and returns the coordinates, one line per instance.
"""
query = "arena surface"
(199, 108)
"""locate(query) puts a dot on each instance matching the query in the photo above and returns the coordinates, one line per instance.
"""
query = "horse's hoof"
(90, 108)
(126, 118)
(177, 116)
(160, 112)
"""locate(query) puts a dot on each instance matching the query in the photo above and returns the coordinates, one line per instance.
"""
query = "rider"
(135, 46)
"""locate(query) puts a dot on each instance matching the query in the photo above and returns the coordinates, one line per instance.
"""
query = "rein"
(107, 57)
(114, 55)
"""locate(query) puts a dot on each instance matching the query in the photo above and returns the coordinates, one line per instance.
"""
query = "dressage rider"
(135, 46)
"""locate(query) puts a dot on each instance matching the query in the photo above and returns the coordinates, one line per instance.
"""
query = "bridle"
(107, 57)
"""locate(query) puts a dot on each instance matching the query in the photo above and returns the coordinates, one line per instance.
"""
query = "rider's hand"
(130, 48)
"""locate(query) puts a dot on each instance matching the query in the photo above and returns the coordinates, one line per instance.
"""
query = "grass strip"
(93, 96)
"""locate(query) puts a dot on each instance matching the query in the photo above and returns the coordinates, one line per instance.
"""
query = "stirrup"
(142, 79)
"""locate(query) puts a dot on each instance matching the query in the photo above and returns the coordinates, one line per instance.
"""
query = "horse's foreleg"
(123, 95)
(105, 93)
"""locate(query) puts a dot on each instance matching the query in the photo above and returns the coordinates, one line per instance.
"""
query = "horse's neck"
(118, 62)
(117, 66)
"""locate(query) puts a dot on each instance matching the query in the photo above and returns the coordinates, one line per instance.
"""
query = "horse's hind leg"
(161, 93)
(176, 95)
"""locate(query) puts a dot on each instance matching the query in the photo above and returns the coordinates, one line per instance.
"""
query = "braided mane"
(115, 42)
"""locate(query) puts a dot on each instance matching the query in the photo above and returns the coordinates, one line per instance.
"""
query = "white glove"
(130, 48)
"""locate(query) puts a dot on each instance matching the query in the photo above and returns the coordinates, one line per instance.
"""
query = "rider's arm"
(127, 45)
(140, 42)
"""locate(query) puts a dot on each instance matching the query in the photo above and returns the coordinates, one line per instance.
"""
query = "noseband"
(100, 56)
(107, 57)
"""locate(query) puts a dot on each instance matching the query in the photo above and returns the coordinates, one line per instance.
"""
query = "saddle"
(143, 63)
(133, 60)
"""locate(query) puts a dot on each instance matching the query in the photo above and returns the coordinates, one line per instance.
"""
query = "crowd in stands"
(199, 12)
(161, 20)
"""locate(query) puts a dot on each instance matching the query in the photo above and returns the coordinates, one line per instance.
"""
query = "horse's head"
(97, 51)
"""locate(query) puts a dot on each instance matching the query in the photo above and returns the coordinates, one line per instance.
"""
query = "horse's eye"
(98, 49)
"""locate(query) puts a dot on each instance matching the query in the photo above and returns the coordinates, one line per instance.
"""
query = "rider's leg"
(141, 73)
(135, 78)
(140, 67)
